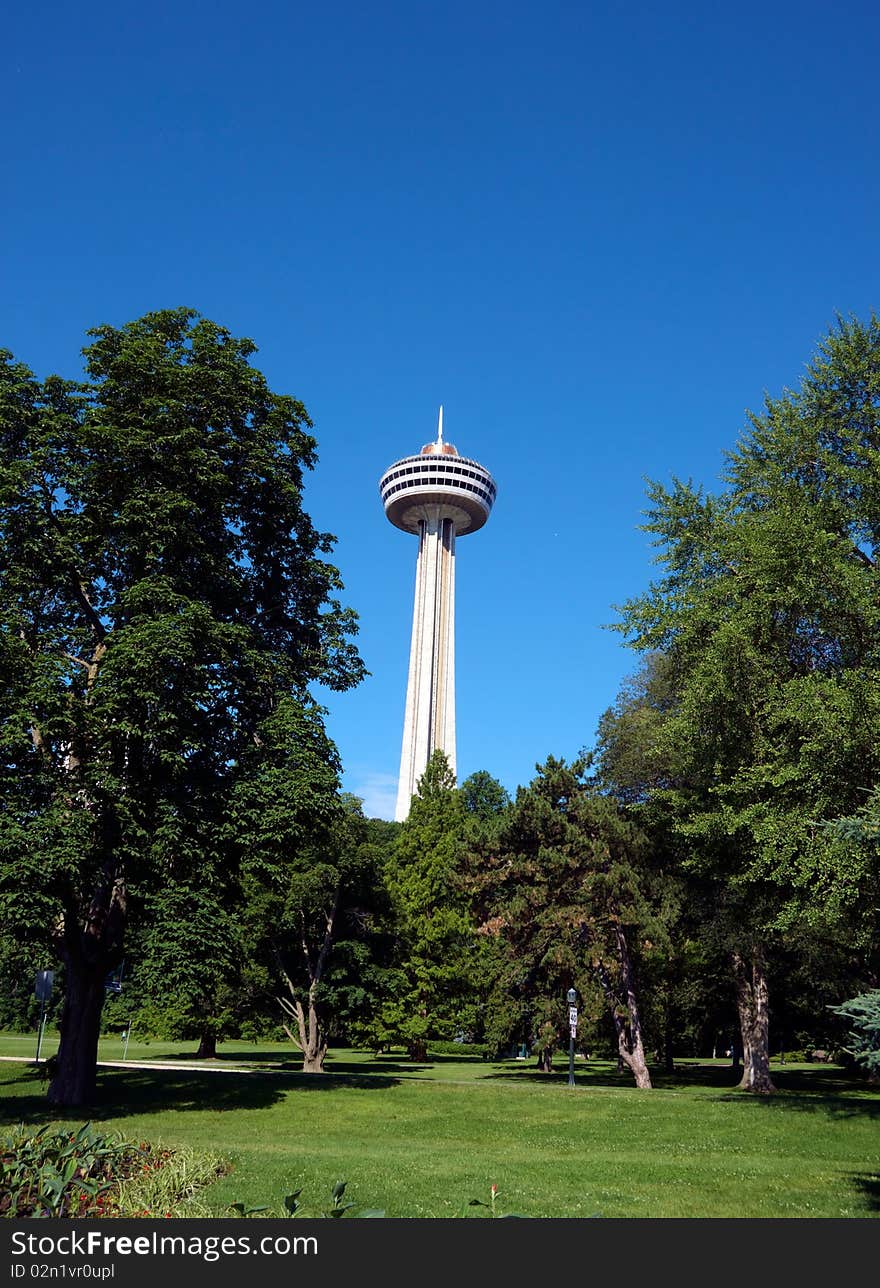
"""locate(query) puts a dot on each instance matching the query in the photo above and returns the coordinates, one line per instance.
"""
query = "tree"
(310, 893)
(483, 797)
(431, 981)
(162, 594)
(636, 765)
(562, 889)
(862, 1013)
(768, 614)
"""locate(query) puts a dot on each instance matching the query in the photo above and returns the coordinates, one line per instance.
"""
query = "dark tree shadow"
(819, 1089)
(868, 1186)
(599, 1073)
(385, 1063)
(122, 1093)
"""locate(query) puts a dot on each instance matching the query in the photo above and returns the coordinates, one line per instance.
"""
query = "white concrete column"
(429, 721)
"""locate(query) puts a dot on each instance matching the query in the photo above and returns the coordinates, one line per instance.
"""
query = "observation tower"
(436, 496)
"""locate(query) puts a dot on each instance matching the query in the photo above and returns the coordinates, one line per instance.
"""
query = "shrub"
(461, 1048)
(170, 1189)
(62, 1173)
(89, 1173)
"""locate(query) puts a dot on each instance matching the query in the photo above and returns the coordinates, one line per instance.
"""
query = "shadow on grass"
(868, 1186)
(390, 1063)
(806, 1090)
(290, 1062)
(123, 1093)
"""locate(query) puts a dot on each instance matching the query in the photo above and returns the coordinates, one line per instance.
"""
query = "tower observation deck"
(436, 496)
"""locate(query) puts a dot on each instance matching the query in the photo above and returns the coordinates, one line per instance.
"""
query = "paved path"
(155, 1064)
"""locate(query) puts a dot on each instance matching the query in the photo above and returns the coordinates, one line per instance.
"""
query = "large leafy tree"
(162, 592)
(768, 614)
(312, 885)
(632, 764)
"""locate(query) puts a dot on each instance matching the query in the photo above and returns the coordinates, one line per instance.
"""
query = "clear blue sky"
(595, 233)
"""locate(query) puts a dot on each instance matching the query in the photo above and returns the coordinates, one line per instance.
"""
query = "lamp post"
(572, 1032)
(43, 992)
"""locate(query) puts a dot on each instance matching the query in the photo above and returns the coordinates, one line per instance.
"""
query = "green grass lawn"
(421, 1140)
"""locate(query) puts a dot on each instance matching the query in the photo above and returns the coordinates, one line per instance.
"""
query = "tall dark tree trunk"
(668, 1029)
(418, 1050)
(90, 944)
(207, 1046)
(668, 1057)
(752, 1001)
(73, 1082)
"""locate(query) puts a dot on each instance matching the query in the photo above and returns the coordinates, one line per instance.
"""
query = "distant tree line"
(705, 873)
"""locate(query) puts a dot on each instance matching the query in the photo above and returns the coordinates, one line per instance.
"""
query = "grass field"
(422, 1140)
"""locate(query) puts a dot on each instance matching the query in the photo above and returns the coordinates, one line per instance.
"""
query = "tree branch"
(79, 661)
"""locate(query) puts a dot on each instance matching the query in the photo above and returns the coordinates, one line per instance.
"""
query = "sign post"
(42, 991)
(572, 1032)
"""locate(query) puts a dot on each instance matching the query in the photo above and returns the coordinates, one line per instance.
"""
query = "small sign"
(43, 985)
(573, 1016)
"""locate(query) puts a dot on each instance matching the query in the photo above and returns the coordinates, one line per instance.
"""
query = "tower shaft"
(429, 721)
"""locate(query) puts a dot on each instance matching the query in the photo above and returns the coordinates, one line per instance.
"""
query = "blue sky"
(596, 234)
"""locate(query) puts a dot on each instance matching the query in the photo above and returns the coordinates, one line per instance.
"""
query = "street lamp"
(572, 1031)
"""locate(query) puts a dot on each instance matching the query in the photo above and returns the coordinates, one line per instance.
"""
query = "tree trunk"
(207, 1046)
(73, 1082)
(633, 1054)
(418, 1050)
(668, 1028)
(309, 1036)
(752, 1001)
(624, 1008)
(668, 1057)
(316, 1046)
(545, 1060)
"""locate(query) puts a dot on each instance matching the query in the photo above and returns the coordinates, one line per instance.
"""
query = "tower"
(437, 496)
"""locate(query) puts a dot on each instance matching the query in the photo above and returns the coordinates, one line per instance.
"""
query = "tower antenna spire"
(440, 426)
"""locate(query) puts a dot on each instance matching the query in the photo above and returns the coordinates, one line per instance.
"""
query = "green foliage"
(767, 616)
(291, 1206)
(313, 892)
(565, 893)
(460, 1049)
(58, 1173)
(483, 796)
(429, 987)
(165, 603)
(169, 1185)
(862, 1014)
